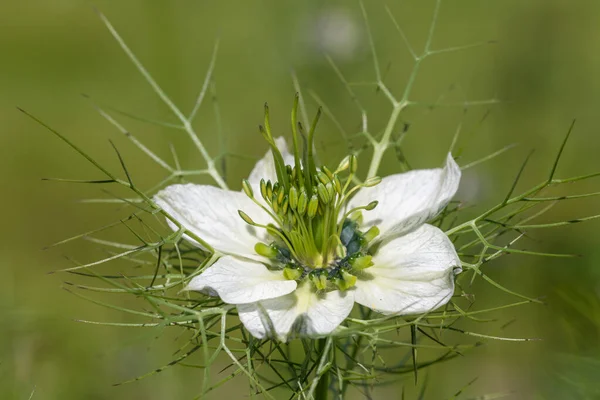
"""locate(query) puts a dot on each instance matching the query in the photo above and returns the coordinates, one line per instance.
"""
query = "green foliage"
(370, 351)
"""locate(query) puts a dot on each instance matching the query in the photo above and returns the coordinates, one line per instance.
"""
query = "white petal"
(237, 282)
(302, 312)
(212, 214)
(265, 167)
(409, 199)
(412, 273)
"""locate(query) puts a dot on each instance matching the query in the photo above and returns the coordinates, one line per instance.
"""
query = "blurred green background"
(543, 64)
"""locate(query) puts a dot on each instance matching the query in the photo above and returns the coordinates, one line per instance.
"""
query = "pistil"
(310, 240)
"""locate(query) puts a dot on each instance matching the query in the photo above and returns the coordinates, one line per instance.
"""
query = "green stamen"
(346, 281)
(310, 240)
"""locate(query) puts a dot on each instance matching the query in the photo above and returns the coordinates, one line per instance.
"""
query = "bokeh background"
(539, 57)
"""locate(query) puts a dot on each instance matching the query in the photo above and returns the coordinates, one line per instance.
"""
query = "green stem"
(322, 391)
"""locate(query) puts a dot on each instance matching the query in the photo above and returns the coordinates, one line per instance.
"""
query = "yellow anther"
(292, 273)
(313, 204)
(343, 165)
(327, 172)
(353, 163)
(319, 280)
(302, 202)
(346, 281)
(263, 189)
(323, 195)
(372, 181)
(323, 178)
(337, 184)
(371, 205)
(293, 197)
(246, 218)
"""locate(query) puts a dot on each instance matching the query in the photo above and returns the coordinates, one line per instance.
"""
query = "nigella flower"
(301, 245)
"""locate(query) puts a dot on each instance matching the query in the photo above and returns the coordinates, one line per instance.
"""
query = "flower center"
(313, 236)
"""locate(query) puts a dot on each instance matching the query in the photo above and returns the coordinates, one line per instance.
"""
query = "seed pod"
(293, 196)
(247, 188)
(302, 202)
(313, 204)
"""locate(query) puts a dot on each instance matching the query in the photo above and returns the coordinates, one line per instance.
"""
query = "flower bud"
(269, 191)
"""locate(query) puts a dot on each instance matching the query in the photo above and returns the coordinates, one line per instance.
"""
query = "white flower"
(295, 263)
